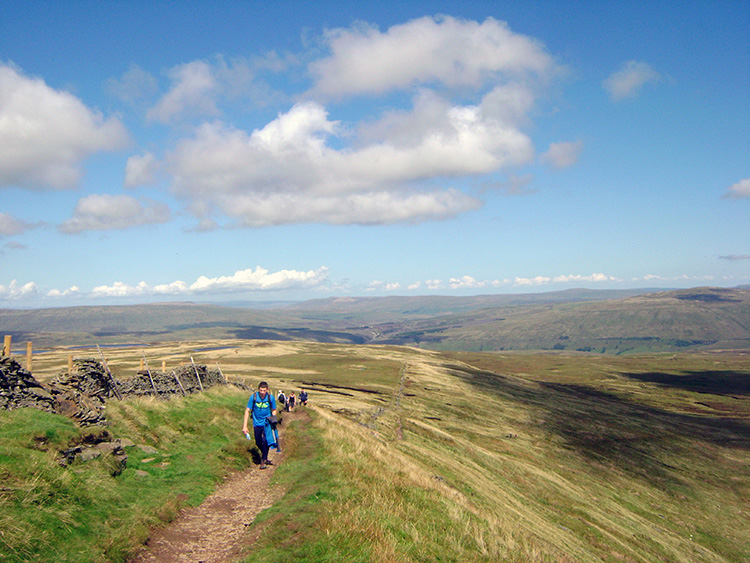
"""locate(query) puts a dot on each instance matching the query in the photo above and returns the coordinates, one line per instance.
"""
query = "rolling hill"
(575, 320)
(406, 455)
(701, 318)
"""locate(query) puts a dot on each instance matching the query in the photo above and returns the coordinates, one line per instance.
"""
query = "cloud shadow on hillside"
(712, 382)
(288, 334)
(612, 431)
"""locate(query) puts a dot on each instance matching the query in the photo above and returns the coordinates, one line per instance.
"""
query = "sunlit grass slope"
(573, 458)
(405, 455)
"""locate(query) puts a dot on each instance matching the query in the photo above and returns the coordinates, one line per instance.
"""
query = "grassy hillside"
(379, 310)
(159, 322)
(136, 323)
(85, 512)
(701, 318)
(411, 455)
(536, 458)
(584, 320)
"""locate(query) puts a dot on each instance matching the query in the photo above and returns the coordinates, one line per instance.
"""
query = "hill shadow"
(610, 430)
(712, 382)
(289, 334)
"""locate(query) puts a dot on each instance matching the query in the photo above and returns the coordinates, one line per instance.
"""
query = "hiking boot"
(268, 462)
(262, 464)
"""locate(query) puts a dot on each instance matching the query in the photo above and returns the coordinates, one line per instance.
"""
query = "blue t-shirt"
(262, 408)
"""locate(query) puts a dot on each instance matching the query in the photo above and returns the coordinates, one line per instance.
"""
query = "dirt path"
(213, 532)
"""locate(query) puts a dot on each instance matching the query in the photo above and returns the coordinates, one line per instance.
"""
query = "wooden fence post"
(196, 373)
(145, 362)
(178, 381)
(6, 345)
(109, 373)
(29, 348)
(70, 364)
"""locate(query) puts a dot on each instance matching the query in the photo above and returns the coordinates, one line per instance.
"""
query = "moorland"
(610, 322)
(407, 453)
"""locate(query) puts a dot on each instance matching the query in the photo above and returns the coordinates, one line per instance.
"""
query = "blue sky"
(217, 151)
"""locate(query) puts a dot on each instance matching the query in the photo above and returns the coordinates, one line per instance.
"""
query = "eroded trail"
(213, 532)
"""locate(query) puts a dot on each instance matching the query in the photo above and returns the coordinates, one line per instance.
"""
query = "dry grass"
(492, 458)
(504, 457)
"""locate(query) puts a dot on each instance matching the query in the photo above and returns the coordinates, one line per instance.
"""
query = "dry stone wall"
(82, 393)
(183, 380)
(19, 389)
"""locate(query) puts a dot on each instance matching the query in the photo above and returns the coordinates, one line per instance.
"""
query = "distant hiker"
(281, 398)
(261, 405)
(291, 400)
(302, 397)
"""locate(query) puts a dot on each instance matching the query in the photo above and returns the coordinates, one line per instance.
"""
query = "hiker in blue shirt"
(261, 405)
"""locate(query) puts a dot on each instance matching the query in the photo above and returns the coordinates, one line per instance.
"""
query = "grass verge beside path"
(352, 498)
(294, 529)
(50, 513)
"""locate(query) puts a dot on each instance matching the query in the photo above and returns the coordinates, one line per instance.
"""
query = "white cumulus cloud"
(136, 84)
(261, 279)
(258, 279)
(447, 139)
(45, 134)
(378, 285)
(193, 91)
(576, 278)
(739, 190)
(73, 290)
(104, 212)
(140, 170)
(514, 185)
(430, 49)
(287, 173)
(630, 79)
(563, 155)
(14, 291)
(9, 225)
(466, 282)
(472, 85)
(119, 289)
(595, 278)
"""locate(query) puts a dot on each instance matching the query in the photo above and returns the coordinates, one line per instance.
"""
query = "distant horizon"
(268, 303)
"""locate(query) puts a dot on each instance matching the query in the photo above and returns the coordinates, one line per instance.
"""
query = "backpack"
(267, 396)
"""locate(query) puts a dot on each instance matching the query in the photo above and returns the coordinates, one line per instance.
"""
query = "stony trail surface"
(215, 531)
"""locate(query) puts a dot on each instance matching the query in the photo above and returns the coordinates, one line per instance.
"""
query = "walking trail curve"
(214, 531)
